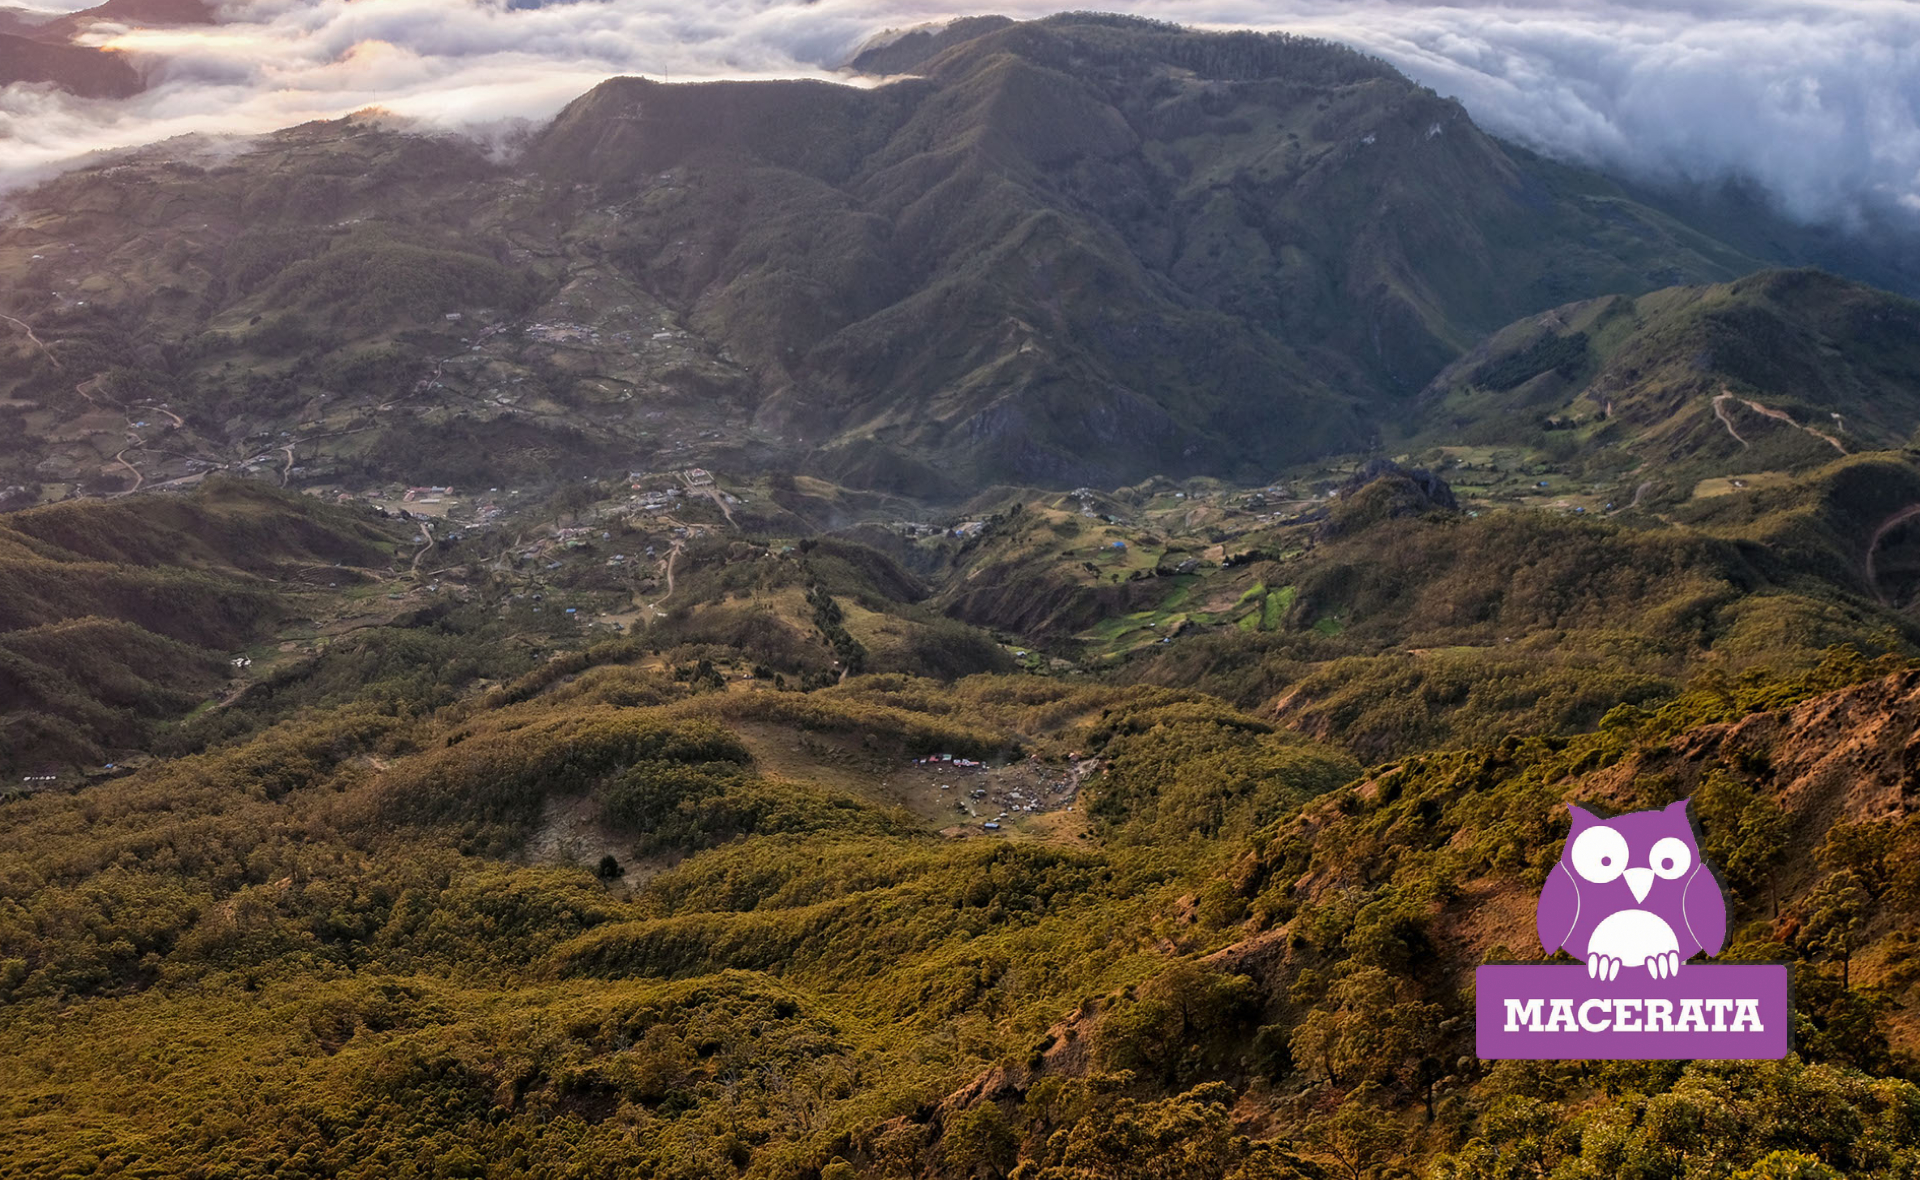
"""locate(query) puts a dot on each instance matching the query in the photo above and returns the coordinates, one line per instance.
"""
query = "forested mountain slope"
(1034, 617)
(1778, 371)
(338, 945)
(1074, 250)
(116, 616)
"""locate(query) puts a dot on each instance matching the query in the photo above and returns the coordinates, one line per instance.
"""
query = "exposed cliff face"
(1851, 756)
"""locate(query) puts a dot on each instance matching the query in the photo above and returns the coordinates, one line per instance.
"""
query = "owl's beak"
(1640, 881)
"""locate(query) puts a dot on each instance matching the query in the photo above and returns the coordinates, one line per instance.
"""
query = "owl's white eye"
(1671, 857)
(1600, 854)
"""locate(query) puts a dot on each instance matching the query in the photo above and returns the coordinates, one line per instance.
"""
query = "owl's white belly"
(1632, 936)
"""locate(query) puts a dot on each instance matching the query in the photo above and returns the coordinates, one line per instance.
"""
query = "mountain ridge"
(1077, 250)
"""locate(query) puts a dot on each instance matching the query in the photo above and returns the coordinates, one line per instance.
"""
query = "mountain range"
(1078, 250)
(1033, 617)
(39, 48)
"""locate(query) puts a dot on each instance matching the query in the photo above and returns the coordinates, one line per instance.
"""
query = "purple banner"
(1705, 1012)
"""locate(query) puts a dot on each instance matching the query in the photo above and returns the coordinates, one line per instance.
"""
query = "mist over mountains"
(1081, 250)
(1811, 101)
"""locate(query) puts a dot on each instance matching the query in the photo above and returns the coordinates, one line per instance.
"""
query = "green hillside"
(1777, 372)
(1032, 620)
(703, 840)
(116, 616)
(365, 943)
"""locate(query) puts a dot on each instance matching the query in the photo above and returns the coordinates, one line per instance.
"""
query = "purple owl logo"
(1632, 891)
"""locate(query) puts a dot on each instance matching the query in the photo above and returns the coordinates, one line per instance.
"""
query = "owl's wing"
(1559, 909)
(1705, 908)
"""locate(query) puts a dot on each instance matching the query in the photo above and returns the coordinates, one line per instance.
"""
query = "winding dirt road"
(673, 555)
(1782, 416)
(1720, 412)
(81, 389)
(426, 534)
(39, 343)
(1873, 546)
(138, 477)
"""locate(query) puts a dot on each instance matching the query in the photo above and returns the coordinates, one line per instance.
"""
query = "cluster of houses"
(1016, 790)
(1263, 497)
(949, 760)
(563, 333)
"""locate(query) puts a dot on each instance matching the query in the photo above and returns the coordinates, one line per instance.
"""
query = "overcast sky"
(1817, 100)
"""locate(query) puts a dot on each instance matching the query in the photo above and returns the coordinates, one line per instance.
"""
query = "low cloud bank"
(1816, 101)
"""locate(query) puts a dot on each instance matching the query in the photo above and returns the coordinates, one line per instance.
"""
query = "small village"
(1021, 797)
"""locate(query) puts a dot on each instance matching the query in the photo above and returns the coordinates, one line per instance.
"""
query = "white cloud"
(1817, 100)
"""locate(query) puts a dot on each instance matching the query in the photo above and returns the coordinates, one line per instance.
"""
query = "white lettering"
(1587, 1022)
(1719, 1010)
(1562, 1018)
(1630, 1015)
(1518, 1013)
(1659, 1015)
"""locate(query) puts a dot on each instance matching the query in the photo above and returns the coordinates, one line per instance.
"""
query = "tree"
(1181, 1018)
(1788, 1165)
(1189, 1136)
(978, 1141)
(1837, 919)
(1360, 1139)
(1745, 834)
(1366, 1032)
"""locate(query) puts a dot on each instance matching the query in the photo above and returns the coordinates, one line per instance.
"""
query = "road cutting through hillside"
(1720, 412)
(1783, 416)
(426, 534)
(673, 555)
(1873, 546)
(138, 478)
(39, 343)
(1727, 395)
